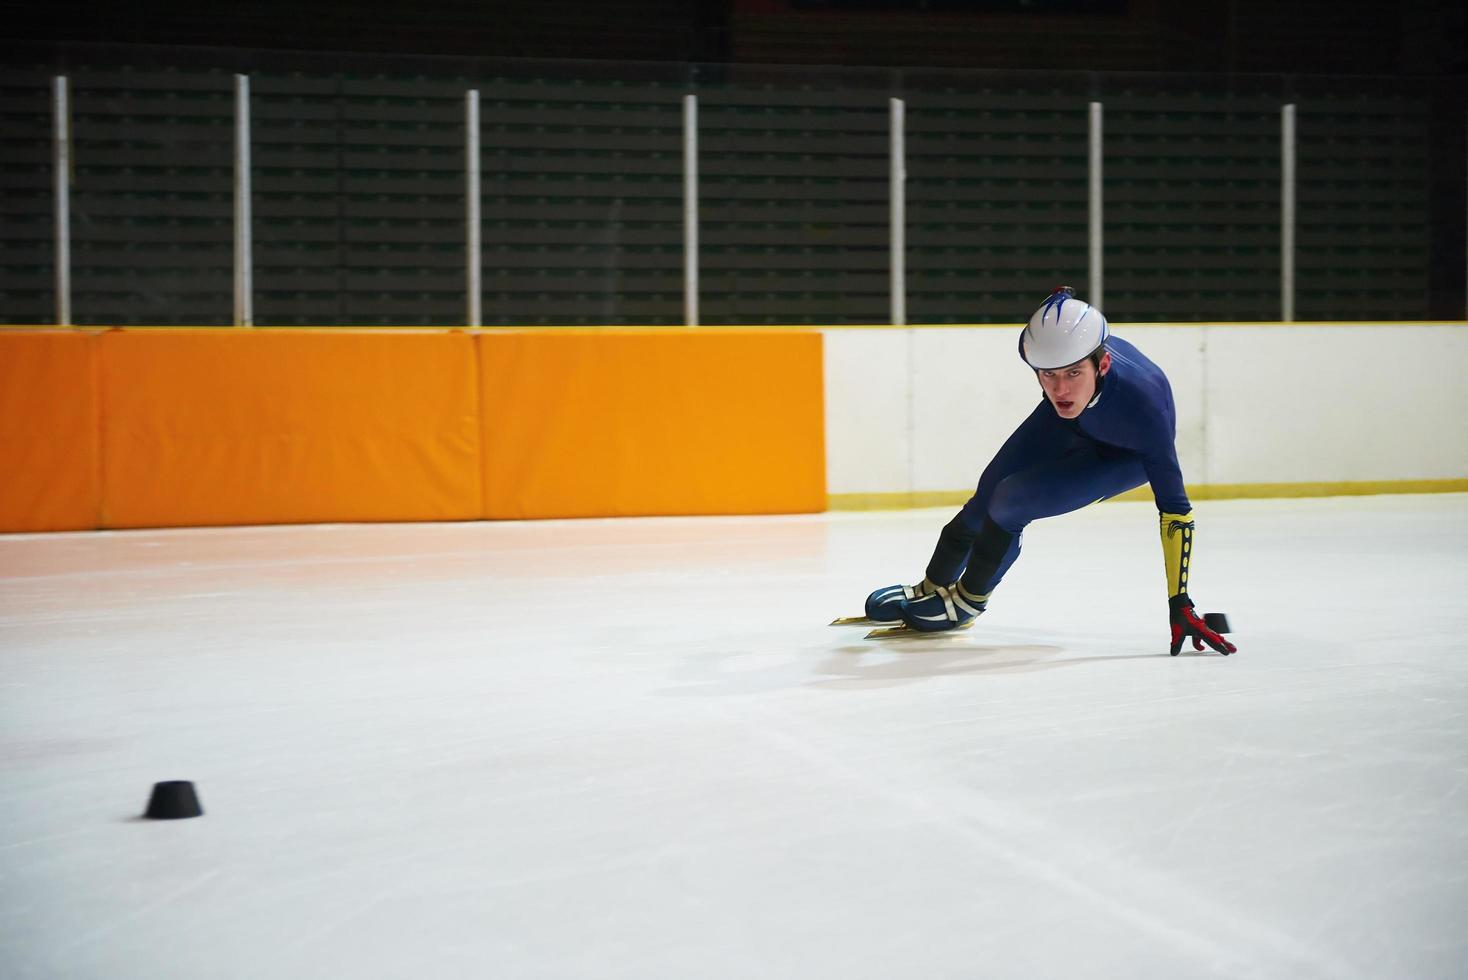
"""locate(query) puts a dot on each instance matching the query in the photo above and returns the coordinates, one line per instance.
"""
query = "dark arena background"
(358, 158)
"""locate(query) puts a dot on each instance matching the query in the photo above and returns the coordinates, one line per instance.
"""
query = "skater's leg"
(1059, 486)
(1039, 438)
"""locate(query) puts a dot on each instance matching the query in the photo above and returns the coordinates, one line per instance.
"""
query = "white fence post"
(898, 178)
(1287, 213)
(244, 285)
(61, 183)
(690, 210)
(1094, 296)
(471, 200)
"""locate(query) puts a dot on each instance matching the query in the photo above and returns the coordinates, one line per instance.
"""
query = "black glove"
(1187, 623)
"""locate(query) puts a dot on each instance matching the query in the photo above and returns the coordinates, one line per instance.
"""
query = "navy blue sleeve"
(1166, 477)
(1135, 412)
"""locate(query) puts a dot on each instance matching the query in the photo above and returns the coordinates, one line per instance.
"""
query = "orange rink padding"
(206, 427)
(49, 454)
(607, 423)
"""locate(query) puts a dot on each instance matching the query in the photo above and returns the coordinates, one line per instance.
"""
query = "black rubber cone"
(1217, 622)
(173, 800)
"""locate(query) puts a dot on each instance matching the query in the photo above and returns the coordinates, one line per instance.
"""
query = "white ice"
(634, 749)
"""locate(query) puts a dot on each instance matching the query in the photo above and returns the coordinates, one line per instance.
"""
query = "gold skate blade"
(892, 632)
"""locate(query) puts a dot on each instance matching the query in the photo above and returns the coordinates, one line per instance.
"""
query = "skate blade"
(861, 621)
(893, 632)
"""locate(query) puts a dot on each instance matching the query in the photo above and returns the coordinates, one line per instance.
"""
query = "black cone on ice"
(173, 800)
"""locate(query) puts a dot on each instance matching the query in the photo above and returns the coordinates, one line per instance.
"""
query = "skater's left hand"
(1187, 623)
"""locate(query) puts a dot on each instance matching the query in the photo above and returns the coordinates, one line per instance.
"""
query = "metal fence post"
(61, 175)
(1287, 213)
(1095, 297)
(471, 200)
(898, 179)
(244, 308)
(690, 210)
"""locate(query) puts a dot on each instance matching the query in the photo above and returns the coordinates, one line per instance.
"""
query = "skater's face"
(1071, 388)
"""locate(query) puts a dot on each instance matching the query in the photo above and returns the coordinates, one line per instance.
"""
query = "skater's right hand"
(1186, 623)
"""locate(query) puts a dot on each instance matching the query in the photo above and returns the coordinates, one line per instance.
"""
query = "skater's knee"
(972, 515)
(1012, 505)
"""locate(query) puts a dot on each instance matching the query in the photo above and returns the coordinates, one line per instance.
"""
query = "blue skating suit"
(1050, 466)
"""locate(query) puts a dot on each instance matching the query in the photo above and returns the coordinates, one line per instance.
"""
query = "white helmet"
(1063, 331)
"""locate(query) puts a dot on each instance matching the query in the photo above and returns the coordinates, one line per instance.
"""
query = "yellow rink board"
(1204, 491)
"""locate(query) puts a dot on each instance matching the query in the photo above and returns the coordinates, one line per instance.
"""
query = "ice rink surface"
(634, 749)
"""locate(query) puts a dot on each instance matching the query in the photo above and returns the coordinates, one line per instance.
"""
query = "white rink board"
(868, 414)
(1321, 403)
(924, 409)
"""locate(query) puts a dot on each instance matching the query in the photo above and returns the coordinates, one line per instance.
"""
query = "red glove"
(1187, 623)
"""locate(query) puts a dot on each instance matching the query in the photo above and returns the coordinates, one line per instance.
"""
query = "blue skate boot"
(948, 607)
(884, 605)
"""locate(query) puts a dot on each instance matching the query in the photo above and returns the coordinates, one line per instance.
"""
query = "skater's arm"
(1177, 553)
(1175, 521)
